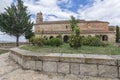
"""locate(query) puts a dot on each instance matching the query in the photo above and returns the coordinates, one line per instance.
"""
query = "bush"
(37, 41)
(55, 42)
(93, 41)
(47, 42)
(75, 41)
(59, 36)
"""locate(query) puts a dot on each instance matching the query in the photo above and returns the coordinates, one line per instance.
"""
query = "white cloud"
(4, 4)
(68, 3)
(106, 10)
(49, 7)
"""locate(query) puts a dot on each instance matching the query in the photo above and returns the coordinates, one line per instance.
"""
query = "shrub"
(75, 41)
(37, 41)
(59, 36)
(32, 41)
(93, 41)
(55, 42)
(47, 42)
(86, 40)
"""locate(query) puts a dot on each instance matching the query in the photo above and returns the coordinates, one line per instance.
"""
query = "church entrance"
(65, 38)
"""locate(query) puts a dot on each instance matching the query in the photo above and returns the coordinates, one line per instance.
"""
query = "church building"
(50, 29)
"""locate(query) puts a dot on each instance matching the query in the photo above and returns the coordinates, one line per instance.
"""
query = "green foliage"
(42, 41)
(93, 41)
(29, 34)
(73, 23)
(47, 42)
(77, 31)
(15, 20)
(37, 41)
(59, 36)
(75, 41)
(117, 34)
(55, 42)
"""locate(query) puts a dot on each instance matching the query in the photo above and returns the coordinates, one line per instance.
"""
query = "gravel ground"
(9, 70)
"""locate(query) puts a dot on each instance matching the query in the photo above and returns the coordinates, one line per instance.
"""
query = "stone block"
(72, 58)
(51, 57)
(63, 67)
(75, 68)
(15, 58)
(101, 61)
(29, 65)
(107, 71)
(39, 65)
(119, 62)
(119, 73)
(19, 61)
(96, 56)
(49, 66)
(88, 70)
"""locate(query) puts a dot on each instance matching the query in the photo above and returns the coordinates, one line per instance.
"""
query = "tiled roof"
(67, 21)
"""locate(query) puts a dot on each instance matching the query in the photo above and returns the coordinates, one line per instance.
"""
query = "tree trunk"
(17, 40)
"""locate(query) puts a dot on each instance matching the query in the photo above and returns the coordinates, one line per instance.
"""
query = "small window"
(66, 27)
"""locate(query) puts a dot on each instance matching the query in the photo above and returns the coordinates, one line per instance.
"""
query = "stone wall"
(10, 44)
(78, 64)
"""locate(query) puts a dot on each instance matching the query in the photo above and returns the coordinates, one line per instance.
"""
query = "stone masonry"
(50, 29)
(78, 64)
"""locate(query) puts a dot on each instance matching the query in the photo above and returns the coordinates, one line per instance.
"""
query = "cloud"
(66, 3)
(4, 4)
(49, 7)
(106, 10)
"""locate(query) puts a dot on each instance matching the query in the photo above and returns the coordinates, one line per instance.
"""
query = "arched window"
(65, 38)
(104, 38)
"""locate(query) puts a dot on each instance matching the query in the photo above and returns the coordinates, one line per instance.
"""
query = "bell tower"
(39, 19)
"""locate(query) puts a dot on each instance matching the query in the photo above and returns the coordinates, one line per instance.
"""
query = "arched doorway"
(51, 37)
(104, 38)
(65, 38)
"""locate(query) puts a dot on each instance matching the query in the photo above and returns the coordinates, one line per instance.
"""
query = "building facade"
(50, 29)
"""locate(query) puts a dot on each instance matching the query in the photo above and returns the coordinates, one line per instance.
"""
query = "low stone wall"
(78, 64)
(10, 44)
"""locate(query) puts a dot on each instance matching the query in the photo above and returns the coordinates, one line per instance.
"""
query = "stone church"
(50, 29)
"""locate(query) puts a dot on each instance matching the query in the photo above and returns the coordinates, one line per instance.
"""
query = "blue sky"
(104, 10)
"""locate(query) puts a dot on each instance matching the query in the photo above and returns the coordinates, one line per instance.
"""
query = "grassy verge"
(111, 49)
(3, 51)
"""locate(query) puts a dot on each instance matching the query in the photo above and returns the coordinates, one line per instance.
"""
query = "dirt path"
(9, 70)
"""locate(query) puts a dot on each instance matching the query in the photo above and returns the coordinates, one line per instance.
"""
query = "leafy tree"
(117, 33)
(15, 20)
(73, 23)
(29, 35)
(75, 40)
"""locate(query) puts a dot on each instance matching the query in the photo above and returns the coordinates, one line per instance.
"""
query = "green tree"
(73, 23)
(75, 40)
(117, 34)
(15, 20)
(29, 35)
